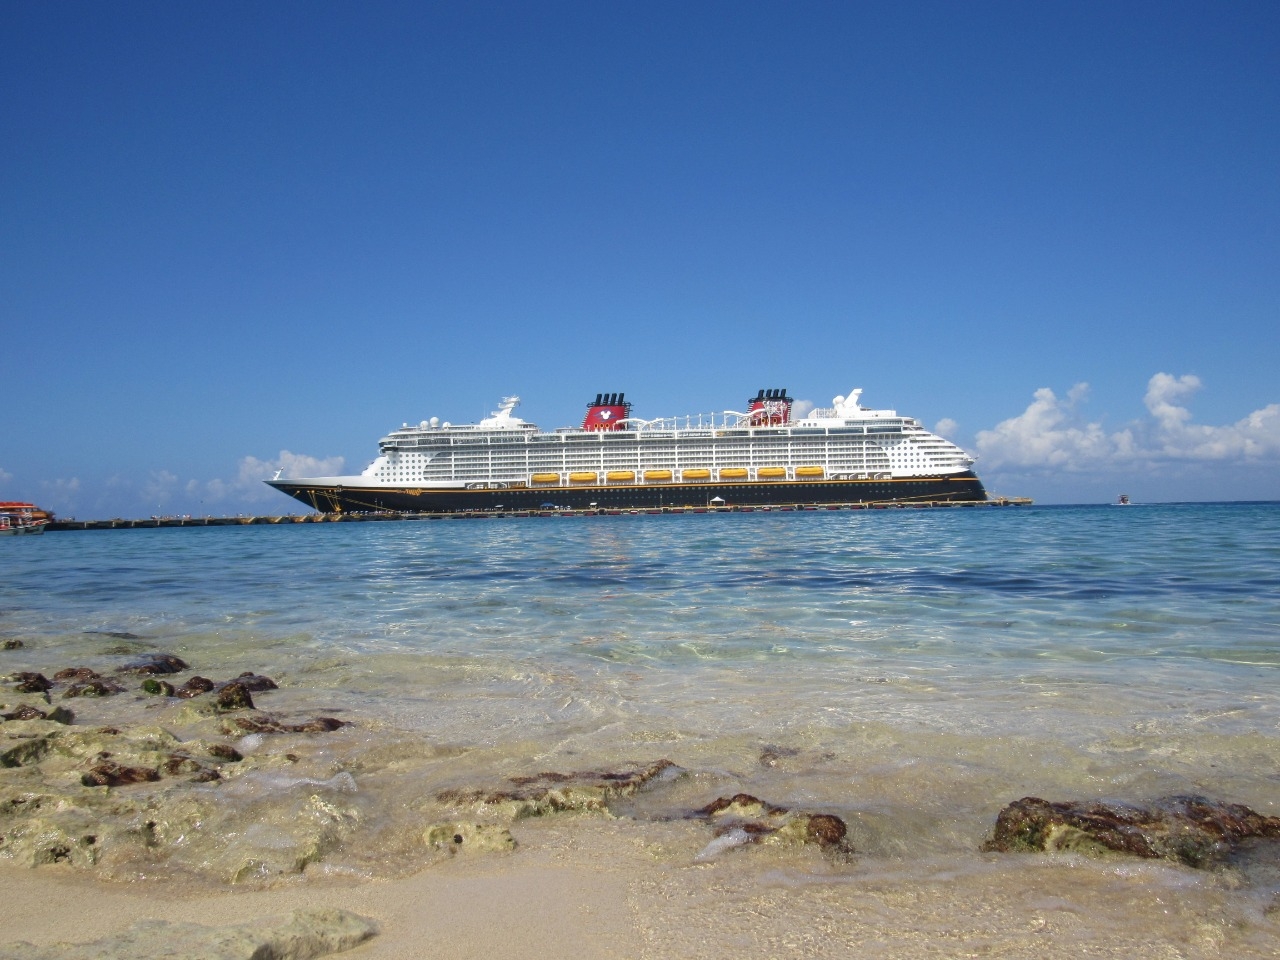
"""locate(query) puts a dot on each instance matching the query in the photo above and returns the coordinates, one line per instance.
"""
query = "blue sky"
(240, 236)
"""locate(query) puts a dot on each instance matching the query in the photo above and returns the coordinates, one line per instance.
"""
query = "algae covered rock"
(468, 837)
(269, 724)
(254, 683)
(108, 773)
(1194, 831)
(158, 688)
(287, 840)
(93, 687)
(742, 819)
(542, 793)
(28, 682)
(233, 696)
(26, 711)
(35, 841)
(155, 663)
(194, 687)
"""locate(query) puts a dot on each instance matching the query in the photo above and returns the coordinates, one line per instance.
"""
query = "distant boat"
(1123, 500)
(16, 525)
(18, 518)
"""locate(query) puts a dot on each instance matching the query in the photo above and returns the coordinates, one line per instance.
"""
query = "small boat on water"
(22, 519)
(1123, 500)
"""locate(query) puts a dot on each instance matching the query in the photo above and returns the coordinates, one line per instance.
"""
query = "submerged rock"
(254, 683)
(1191, 830)
(268, 724)
(37, 841)
(31, 682)
(59, 714)
(288, 842)
(222, 751)
(12, 643)
(27, 712)
(468, 837)
(157, 688)
(234, 696)
(76, 675)
(556, 792)
(109, 773)
(194, 687)
(96, 687)
(747, 819)
(302, 935)
(155, 663)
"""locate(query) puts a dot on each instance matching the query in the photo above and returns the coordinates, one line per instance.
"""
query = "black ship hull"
(955, 488)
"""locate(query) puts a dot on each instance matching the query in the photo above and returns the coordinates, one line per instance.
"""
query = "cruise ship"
(846, 453)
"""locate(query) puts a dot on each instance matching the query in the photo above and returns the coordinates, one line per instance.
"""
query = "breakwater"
(184, 521)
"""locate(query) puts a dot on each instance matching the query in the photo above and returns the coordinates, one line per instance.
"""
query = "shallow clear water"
(911, 671)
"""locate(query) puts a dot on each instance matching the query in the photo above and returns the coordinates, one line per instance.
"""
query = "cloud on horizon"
(1052, 433)
(248, 485)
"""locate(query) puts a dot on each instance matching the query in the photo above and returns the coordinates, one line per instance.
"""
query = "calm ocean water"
(915, 669)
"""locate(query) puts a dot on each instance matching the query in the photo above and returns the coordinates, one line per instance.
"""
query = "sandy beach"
(595, 888)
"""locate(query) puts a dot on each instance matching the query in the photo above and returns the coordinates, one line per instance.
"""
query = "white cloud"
(5, 475)
(253, 470)
(159, 489)
(801, 409)
(1051, 433)
(248, 485)
(946, 427)
(60, 496)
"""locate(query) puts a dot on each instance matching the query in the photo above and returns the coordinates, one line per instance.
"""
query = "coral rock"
(93, 688)
(157, 688)
(556, 792)
(76, 675)
(468, 837)
(272, 725)
(155, 663)
(194, 687)
(234, 696)
(1195, 831)
(111, 774)
(31, 682)
(252, 682)
(755, 821)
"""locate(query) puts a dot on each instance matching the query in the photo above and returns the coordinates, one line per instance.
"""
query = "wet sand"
(595, 888)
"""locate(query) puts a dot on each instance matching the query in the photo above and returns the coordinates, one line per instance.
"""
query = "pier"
(498, 514)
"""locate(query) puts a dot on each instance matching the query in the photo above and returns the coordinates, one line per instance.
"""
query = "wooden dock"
(165, 522)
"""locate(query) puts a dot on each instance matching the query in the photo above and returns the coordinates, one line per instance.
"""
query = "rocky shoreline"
(198, 777)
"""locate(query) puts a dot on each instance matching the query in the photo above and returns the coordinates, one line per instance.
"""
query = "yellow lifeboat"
(618, 476)
(584, 477)
(733, 473)
(810, 471)
(545, 478)
(697, 473)
(659, 474)
(771, 473)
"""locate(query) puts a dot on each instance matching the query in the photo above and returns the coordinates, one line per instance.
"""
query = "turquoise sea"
(909, 671)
